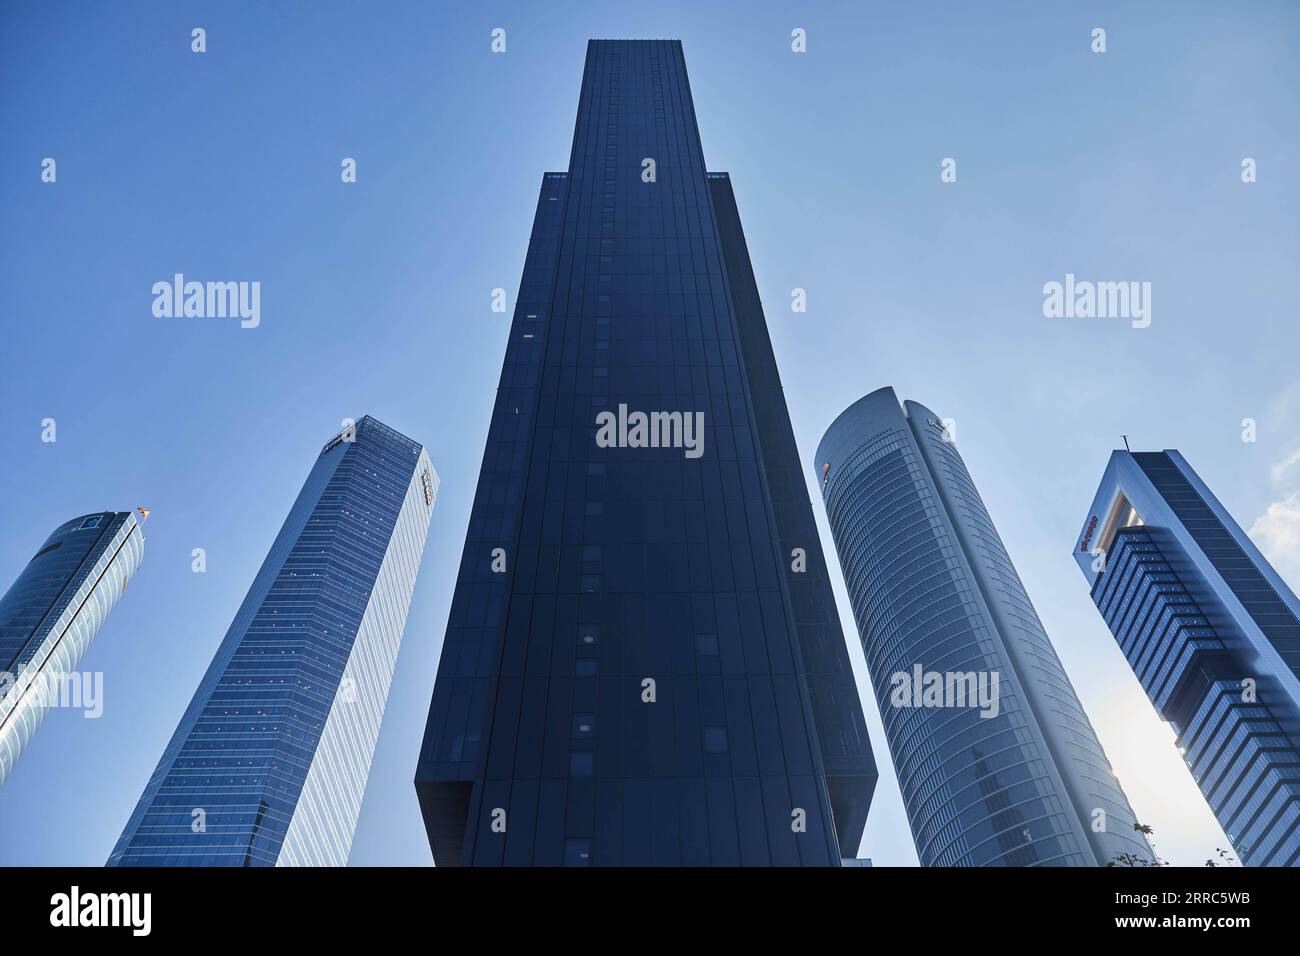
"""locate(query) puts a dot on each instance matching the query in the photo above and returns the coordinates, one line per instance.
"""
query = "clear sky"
(225, 165)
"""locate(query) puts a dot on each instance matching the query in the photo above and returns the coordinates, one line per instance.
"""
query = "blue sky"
(376, 298)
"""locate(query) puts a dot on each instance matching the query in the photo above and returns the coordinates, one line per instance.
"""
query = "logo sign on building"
(1087, 534)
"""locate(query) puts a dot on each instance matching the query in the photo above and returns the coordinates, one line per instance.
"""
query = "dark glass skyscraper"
(1213, 634)
(643, 663)
(269, 763)
(997, 762)
(53, 611)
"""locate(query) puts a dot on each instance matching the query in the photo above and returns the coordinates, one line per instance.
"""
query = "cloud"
(1277, 533)
(1279, 470)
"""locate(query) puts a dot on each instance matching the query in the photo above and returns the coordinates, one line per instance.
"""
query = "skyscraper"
(51, 614)
(997, 762)
(1212, 633)
(643, 662)
(269, 763)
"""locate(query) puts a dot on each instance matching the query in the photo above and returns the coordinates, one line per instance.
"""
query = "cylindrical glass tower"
(997, 762)
(52, 612)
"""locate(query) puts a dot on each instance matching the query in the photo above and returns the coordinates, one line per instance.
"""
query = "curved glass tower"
(997, 762)
(52, 612)
(269, 763)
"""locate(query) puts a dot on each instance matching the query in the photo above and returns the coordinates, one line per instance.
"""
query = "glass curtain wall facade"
(636, 670)
(1019, 777)
(1213, 635)
(269, 763)
(51, 614)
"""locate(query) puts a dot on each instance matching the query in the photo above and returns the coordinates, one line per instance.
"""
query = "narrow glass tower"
(1212, 633)
(53, 611)
(269, 763)
(643, 663)
(997, 762)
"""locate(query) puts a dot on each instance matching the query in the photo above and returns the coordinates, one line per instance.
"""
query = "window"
(584, 726)
(47, 549)
(706, 644)
(588, 635)
(90, 523)
(580, 763)
(577, 852)
(715, 740)
(585, 667)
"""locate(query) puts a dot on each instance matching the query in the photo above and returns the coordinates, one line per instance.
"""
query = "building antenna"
(1126, 448)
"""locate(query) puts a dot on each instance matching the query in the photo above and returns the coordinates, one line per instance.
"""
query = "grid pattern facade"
(932, 586)
(545, 743)
(1238, 572)
(269, 762)
(51, 614)
(1232, 739)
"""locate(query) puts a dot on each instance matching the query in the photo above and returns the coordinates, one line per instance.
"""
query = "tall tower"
(51, 614)
(643, 663)
(269, 763)
(1212, 633)
(997, 762)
